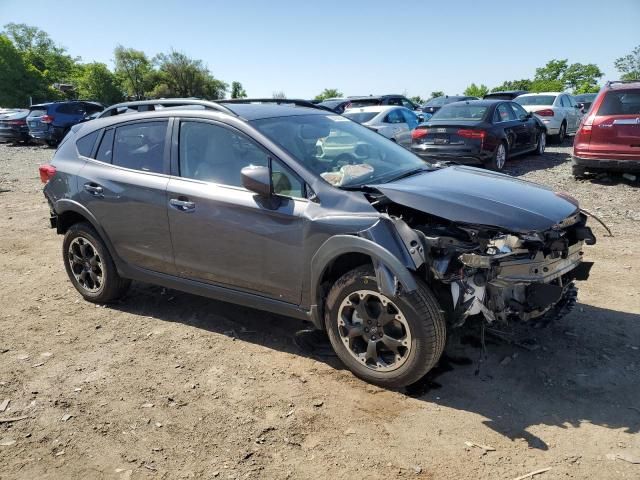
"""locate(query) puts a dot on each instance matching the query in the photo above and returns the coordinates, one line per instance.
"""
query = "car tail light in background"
(46, 119)
(46, 172)
(469, 133)
(419, 133)
(17, 122)
(547, 112)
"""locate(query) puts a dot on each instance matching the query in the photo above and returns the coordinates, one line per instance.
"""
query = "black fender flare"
(67, 205)
(390, 271)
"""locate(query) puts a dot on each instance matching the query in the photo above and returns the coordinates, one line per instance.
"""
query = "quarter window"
(86, 143)
(140, 146)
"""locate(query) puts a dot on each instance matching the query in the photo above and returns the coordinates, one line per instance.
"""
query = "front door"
(124, 187)
(527, 130)
(221, 232)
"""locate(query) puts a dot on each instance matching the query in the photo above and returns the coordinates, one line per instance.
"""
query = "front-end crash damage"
(482, 270)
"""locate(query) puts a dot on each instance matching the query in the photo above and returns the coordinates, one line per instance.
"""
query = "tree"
(188, 77)
(279, 95)
(524, 84)
(437, 93)
(19, 80)
(559, 75)
(474, 90)
(134, 68)
(237, 91)
(629, 65)
(40, 51)
(417, 99)
(328, 93)
(94, 81)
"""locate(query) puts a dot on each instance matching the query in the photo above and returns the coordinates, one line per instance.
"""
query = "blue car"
(49, 122)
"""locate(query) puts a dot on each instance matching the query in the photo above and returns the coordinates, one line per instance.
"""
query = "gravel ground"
(167, 385)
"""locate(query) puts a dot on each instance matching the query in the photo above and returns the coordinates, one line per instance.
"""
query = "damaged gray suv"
(298, 211)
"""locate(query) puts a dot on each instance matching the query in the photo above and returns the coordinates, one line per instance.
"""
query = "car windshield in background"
(625, 102)
(436, 102)
(37, 112)
(342, 152)
(463, 111)
(365, 102)
(360, 117)
(536, 100)
(331, 103)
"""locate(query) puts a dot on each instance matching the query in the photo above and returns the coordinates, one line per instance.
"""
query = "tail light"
(46, 172)
(46, 119)
(468, 133)
(547, 112)
(17, 122)
(419, 133)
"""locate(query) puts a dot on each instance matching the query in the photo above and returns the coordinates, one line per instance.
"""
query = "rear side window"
(394, 116)
(504, 113)
(86, 143)
(37, 112)
(105, 151)
(140, 146)
(626, 102)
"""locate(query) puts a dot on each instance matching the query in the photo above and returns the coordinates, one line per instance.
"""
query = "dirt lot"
(169, 385)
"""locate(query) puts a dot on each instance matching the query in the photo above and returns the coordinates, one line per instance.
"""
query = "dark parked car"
(504, 95)
(609, 135)
(337, 105)
(372, 100)
(585, 100)
(484, 132)
(366, 241)
(49, 122)
(435, 104)
(13, 127)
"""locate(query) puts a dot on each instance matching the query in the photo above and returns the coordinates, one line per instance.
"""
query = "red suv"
(609, 135)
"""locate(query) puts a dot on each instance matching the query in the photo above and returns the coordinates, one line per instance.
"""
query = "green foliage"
(237, 91)
(629, 65)
(279, 95)
(474, 90)
(19, 80)
(183, 76)
(559, 75)
(328, 93)
(417, 99)
(524, 84)
(94, 81)
(437, 93)
(134, 69)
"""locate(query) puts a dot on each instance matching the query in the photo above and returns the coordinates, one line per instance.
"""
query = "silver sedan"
(395, 123)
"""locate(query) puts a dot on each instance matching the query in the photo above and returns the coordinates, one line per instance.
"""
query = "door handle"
(94, 189)
(182, 205)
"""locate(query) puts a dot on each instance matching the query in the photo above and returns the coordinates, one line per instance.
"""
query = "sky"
(359, 47)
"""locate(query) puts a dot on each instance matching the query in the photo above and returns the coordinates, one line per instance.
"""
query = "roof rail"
(277, 101)
(612, 82)
(168, 102)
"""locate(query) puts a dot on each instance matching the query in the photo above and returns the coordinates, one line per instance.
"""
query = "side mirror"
(257, 179)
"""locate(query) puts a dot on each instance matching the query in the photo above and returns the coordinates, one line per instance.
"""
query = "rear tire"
(499, 158)
(542, 143)
(90, 266)
(562, 133)
(407, 345)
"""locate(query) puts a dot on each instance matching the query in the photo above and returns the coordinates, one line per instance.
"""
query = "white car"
(395, 123)
(558, 111)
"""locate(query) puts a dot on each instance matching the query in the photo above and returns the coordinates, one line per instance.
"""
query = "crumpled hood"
(481, 197)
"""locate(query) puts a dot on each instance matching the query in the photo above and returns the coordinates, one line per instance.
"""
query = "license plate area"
(440, 139)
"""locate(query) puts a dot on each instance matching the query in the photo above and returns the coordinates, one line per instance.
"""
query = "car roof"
(544, 93)
(257, 111)
(62, 102)
(623, 85)
(373, 108)
(486, 102)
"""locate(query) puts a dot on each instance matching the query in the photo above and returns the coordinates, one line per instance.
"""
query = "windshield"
(331, 103)
(536, 100)
(436, 102)
(463, 111)
(360, 117)
(342, 152)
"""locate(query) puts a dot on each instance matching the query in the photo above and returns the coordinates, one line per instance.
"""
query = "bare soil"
(168, 385)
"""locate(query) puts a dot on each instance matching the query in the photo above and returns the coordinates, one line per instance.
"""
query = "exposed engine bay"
(482, 270)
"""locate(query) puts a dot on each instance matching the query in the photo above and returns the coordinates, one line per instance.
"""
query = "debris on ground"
(532, 474)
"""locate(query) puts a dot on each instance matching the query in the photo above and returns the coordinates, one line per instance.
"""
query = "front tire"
(391, 342)
(90, 266)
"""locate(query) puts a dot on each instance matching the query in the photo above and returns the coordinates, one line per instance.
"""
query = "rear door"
(615, 132)
(124, 187)
(515, 130)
